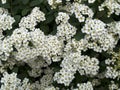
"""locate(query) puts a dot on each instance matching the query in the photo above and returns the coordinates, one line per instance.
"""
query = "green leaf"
(17, 18)
(7, 6)
(40, 1)
(44, 28)
(25, 1)
(16, 2)
(49, 19)
(100, 14)
(79, 35)
(43, 8)
(25, 11)
(36, 2)
(54, 31)
(15, 69)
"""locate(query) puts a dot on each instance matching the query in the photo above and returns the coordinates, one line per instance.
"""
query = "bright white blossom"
(111, 73)
(112, 5)
(98, 36)
(80, 10)
(64, 29)
(113, 86)
(84, 86)
(31, 20)
(3, 1)
(11, 82)
(91, 1)
(6, 21)
(54, 3)
(73, 62)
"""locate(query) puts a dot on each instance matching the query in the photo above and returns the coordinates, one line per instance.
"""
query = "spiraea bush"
(60, 45)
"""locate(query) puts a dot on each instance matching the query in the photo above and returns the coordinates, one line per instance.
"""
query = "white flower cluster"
(6, 21)
(29, 45)
(88, 66)
(62, 18)
(97, 35)
(64, 76)
(110, 61)
(31, 20)
(18, 40)
(64, 30)
(112, 5)
(117, 28)
(80, 11)
(91, 1)
(73, 62)
(3, 1)
(114, 28)
(3, 11)
(5, 48)
(54, 3)
(96, 82)
(84, 86)
(69, 67)
(46, 46)
(45, 82)
(20, 37)
(36, 67)
(50, 88)
(8, 64)
(112, 70)
(11, 82)
(49, 47)
(113, 86)
(76, 46)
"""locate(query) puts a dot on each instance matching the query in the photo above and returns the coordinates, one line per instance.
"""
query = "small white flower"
(3, 1)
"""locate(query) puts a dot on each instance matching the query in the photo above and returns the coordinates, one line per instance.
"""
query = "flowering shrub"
(60, 44)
